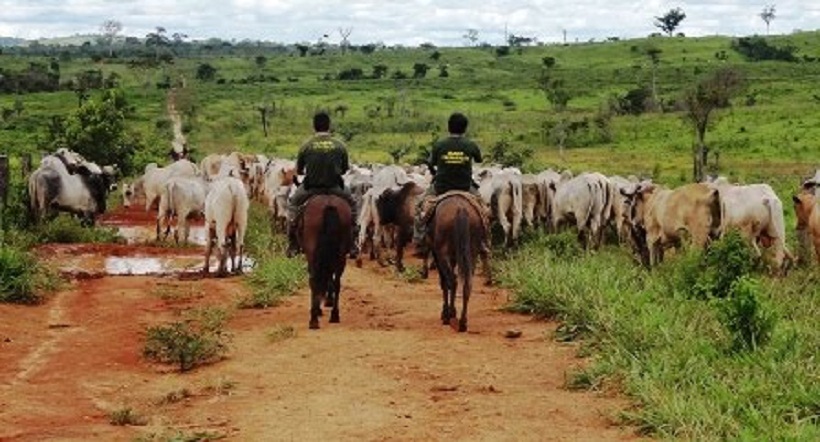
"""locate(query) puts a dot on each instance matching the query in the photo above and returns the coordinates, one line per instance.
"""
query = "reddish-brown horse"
(324, 235)
(456, 238)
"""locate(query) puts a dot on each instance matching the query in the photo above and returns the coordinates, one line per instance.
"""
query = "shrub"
(713, 273)
(197, 340)
(758, 49)
(749, 320)
(126, 416)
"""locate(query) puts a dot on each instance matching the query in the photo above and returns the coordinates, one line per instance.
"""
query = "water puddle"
(147, 234)
(94, 265)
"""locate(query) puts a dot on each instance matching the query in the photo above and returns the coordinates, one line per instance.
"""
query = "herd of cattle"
(643, 214)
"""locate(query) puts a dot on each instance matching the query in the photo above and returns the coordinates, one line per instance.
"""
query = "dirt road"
(389, 371)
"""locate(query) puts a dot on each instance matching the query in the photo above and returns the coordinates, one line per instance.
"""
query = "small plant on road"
(126, 416)
(197, 340)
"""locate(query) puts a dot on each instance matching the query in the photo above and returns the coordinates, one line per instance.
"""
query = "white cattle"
(279, 176)
(52, 187)
(181, 198)
(226, 220)
(210, 165)
(155, 177)
(586, 199)
(502, 191)
(620, 206)
(534, 196)
(756, 213)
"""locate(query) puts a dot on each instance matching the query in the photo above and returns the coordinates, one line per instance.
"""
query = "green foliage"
(713, 274)
(206, 72)
(69, 230)
(747, 317)
(504, 153)
(17, 276)
(98, 131)
(757, 48)
(274, 276)
(197, 340)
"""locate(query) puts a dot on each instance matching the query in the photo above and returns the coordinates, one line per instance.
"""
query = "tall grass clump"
(736, 360)
(68, 230)
(275, 276)
(17, 276)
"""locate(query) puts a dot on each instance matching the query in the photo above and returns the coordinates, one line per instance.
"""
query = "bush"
(749, 321)
(197, 340)
(17, 270)
(758, 49)
(126, 416)
(713, 273)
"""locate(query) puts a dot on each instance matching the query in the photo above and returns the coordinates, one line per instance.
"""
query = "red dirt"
(389, 371)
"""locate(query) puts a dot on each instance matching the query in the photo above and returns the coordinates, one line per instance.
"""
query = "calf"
(226, 220)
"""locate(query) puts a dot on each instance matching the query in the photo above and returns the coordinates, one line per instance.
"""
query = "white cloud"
(408, 22)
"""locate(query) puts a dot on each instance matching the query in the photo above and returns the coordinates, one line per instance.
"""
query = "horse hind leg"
(315, 305)
(336, 285)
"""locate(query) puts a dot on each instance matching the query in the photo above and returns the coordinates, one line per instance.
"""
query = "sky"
(407, 22)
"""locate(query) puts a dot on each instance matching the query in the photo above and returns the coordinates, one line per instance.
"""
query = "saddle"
(300, 211)
(428, 206)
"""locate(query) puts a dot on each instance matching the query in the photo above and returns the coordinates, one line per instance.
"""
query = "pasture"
(652, 355)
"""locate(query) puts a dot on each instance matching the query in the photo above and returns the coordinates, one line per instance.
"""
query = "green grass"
(275, 276)
(674, 353)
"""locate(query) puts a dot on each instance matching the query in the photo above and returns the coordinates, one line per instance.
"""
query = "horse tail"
(328, 245)
(463, 247)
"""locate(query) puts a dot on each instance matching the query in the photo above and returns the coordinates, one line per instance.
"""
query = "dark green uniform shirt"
(453, 159)
(323, 161)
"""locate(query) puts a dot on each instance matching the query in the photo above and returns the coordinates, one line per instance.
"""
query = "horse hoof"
(462, 327)
(314, 325)
(359, 262)
(334, 318)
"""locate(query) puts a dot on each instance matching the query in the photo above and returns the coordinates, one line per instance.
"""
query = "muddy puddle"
(94, 265)
(139, 254)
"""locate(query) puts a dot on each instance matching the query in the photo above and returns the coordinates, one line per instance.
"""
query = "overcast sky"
(408, 22)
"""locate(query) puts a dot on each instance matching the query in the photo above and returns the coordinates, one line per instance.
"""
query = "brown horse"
(324, 235)
(456, 238)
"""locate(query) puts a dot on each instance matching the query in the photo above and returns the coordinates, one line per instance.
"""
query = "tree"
(654, 55)
(345, 43)
(471, 36)
(701, 101)
(420, 70)
(767, 15)
(670, 21)
(157, 39)
(379, 71)
(205, 72)
(110, 29)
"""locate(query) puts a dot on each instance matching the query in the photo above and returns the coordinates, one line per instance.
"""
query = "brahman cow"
(659, 216)
(807, 209)
(586, 199)
(181, 198)
(226, 220)
(155, 177)
(502, 191)
(756, 213)
(52, 187)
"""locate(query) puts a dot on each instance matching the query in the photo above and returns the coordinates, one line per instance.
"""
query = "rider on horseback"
(323, 160)
(451, 163)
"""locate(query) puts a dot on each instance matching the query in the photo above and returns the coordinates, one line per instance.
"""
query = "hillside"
(769, 129)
